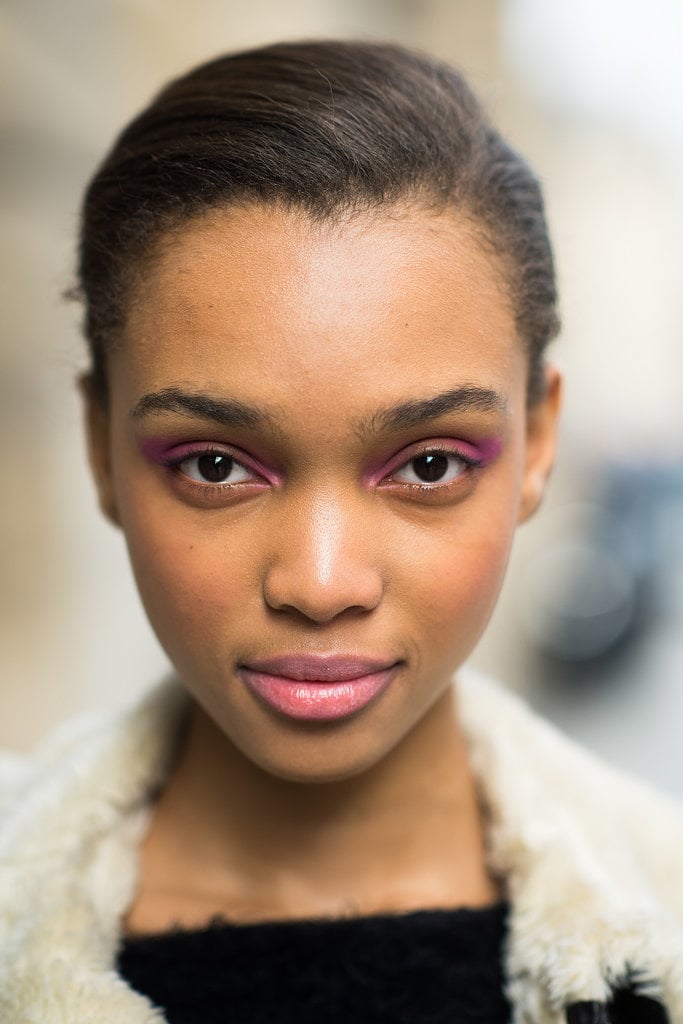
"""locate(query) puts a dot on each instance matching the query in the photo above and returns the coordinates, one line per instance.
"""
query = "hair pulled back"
(328, 127)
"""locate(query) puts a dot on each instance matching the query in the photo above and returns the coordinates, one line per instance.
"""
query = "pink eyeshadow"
(162, 451)
(156, 449)
(483, 452)
(487, 450)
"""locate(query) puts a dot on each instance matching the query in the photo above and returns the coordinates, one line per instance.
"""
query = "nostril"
(322, 601)
(318, 608)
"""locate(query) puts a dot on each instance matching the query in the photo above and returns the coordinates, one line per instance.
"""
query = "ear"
(541, 439)
(99, 446)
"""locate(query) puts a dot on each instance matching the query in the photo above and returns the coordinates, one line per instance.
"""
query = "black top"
(426, 967)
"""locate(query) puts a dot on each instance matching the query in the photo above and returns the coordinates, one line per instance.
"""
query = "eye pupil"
(430, 468)
(214, 468)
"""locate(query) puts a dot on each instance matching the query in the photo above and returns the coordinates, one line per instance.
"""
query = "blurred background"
(590, 624)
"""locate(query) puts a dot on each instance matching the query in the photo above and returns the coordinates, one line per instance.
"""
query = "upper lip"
(332, 668)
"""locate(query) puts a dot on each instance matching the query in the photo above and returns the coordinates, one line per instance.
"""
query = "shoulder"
(529, 767)
(109, 756)
(74, 815)
(591, 857)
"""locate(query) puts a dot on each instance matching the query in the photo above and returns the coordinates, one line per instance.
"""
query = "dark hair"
(328, 127)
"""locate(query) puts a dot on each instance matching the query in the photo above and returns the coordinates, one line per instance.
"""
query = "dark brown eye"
(430, 468)
(215, 469)
(433, 467)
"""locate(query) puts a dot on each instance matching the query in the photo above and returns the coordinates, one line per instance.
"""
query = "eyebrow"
(467, 398)
(227, 411)
(232, 413)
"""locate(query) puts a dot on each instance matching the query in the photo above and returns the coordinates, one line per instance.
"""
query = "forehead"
(271, 302)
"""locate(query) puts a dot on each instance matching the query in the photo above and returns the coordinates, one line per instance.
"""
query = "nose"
(324, 562)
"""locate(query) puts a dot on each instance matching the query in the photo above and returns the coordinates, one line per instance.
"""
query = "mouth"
(318, 687)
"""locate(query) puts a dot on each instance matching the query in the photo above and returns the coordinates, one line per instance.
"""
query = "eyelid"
(181, 452)
(172, 455)
(458, 469)
(183, 468)
(468, 453)
(449, 453)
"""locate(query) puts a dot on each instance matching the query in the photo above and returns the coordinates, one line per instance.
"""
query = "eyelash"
(469, 463)
(211, 490)
(176, 461)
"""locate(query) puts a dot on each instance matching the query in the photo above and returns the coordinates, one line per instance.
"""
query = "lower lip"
(317, 701)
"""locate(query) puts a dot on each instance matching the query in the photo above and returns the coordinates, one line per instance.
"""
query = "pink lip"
(321, 688)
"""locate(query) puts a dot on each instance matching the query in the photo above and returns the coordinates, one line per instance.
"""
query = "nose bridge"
(322, 563)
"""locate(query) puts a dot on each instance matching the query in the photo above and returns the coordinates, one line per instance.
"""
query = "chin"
(316, 768)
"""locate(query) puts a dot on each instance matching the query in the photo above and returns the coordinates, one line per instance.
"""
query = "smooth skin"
(324, 539)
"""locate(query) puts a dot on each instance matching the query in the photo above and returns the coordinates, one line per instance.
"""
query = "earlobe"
(541, 439)
(98, 442)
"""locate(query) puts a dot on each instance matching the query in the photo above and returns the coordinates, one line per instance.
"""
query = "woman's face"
(318, 449)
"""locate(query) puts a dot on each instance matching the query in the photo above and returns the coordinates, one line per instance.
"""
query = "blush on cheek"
(462, 591)
(187, 586)
(186, 590)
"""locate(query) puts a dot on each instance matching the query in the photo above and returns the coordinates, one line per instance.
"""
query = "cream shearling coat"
(593, 863)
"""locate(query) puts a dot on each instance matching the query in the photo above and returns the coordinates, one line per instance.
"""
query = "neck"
(229, 838)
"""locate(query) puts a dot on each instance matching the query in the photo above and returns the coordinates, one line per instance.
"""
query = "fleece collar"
(589, 860)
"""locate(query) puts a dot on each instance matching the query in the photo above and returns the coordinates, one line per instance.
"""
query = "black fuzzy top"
(425, 967)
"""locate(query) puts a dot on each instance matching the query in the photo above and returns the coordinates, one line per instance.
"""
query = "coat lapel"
(586, 912)
(68, 858)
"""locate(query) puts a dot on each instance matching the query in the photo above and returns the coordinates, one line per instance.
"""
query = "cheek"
(182, 577)
(194, 604)
(453, 581)
(462, 583)
(193, 583)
